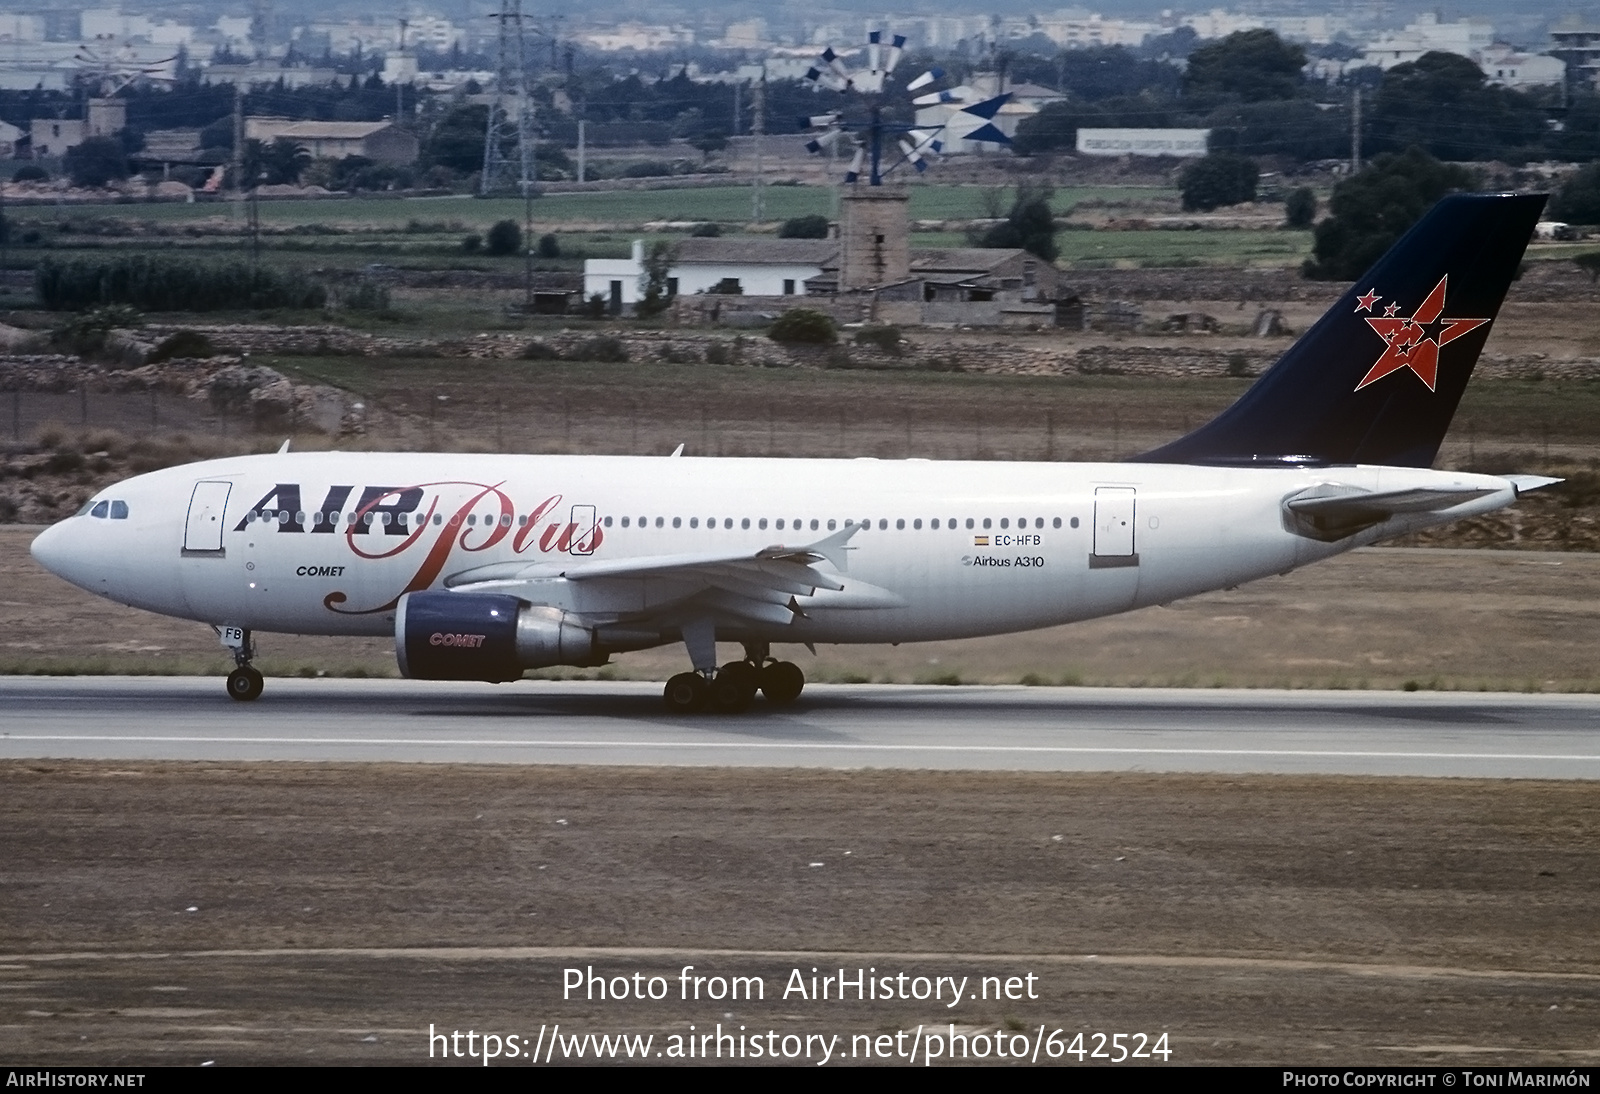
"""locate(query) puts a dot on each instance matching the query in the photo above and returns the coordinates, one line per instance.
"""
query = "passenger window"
(917, 524)
(624, 522)
(472, 519)
(1004, 523)
(832, 524)
(505, 520)
(438, 519)
(813, 524)
(934, 524)
(1038, 522)
(727, 522)
(900, 524)
(986, 522)
(694, 522)
(662, 520)
(1074, 522)
(745, 523)
(779, 524)
(100, 510)
(608, 521)
(1055, 523)
(969, 522)
(763, 523)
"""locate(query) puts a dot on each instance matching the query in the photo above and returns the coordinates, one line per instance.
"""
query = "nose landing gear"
(244, 682)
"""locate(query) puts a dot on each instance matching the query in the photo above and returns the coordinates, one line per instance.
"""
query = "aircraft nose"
(55, 550)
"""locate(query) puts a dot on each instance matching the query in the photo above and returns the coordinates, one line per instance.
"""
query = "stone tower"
(874, 237)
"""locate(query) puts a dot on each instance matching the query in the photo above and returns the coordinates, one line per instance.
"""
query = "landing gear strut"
(244, 682)
(732, 688)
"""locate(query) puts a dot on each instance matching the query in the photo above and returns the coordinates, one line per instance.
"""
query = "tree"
(1578, 200)
(1030, 224)
(280, 163)
(457, 141)
(1221, 178)
(814, 226)
(656, 296)
(707, 143)
(1372, 209)
(1442, 103)
(1300, 208)
(549, 246)
(1253, 65)
(96, 162)
(504, 238)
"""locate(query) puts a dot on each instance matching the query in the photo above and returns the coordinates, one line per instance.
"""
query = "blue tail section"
(1378, 377)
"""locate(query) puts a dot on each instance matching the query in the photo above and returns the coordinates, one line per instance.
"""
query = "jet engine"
(482, 636)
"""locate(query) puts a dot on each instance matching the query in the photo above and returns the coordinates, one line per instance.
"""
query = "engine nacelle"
(484, 636)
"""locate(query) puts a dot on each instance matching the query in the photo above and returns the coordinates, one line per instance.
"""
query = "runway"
(833, 726)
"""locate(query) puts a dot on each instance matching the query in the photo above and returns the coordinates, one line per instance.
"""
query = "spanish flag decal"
(980, 541)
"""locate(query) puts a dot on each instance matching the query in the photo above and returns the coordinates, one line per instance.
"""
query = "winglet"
(676, 452)
(284, 447)
(832, 548)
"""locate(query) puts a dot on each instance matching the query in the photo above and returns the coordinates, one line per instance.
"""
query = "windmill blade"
(818, 121)
(925, 79)
(830, 80)
(913, 156)
(927, 140)
(855, 165)
(874, 49)
(952, 96)
(896, 48)
(824, 141)
(837, 65)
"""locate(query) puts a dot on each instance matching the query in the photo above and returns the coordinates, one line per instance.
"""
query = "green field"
(726, 204)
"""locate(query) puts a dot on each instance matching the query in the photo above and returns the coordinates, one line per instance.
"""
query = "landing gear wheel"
(245, 684)
(781, 682)
(734, 687)
(685, 693)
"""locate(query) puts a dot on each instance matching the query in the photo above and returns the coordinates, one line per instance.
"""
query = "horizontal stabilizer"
(1332, 511)
(1527, 484)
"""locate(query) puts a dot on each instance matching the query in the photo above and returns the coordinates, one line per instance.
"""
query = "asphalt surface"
(832, 726)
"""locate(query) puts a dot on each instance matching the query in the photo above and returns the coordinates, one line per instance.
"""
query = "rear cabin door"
(1113, 527)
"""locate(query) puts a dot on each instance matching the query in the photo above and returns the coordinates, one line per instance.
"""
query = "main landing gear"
(244, 682)
(732, 688)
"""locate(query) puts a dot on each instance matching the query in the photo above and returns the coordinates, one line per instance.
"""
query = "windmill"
(969, 117)
(115, 65)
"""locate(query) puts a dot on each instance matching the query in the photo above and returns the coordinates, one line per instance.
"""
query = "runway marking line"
(542, 953)
(803, 746)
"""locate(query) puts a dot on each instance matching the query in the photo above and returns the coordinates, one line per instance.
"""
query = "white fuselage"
(944, 550)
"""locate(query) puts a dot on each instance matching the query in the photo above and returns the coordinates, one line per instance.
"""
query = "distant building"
(759, 267)
(1466, 38)
(10, 135)
(1576, 43)
(1508, 67)
(264, 72)
(55, 136)
(382, 142)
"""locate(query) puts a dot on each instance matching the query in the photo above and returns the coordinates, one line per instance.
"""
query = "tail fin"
(1378, 378)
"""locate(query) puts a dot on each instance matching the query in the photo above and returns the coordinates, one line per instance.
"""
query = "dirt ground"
(295, 913)
(1381, 618)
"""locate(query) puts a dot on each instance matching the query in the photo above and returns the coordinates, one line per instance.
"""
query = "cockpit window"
(88, 505)
(99, 509)
(119, 510)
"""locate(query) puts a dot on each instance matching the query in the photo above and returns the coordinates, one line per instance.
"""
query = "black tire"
(245, 684)
(734, 688)
(685, 693)
(782, 682)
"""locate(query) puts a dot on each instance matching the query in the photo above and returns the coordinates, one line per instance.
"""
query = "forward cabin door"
(202, 532)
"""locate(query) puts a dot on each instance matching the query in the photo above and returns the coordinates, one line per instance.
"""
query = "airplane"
(482, 567)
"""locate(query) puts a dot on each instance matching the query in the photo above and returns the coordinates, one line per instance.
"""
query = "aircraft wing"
(772, 585)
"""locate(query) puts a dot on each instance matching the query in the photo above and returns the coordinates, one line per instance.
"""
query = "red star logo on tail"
(1414, 342)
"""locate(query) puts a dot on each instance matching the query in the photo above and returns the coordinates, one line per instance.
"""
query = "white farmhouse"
(758, 267)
